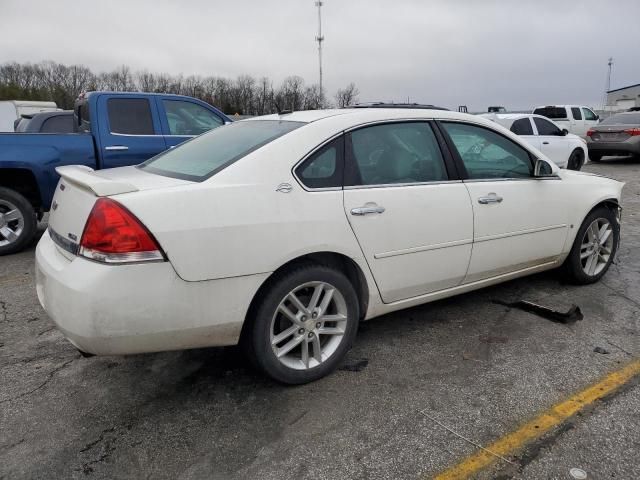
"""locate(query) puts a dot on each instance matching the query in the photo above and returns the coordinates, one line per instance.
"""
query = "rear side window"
(323, 169)
(552, 112)
(204, 156)
(130, 116)
(545, 127)
(576, 113)
(58, 124)
(522, 127)
(394, 153)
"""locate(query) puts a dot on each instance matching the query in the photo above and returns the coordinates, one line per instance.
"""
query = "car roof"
(363, 115)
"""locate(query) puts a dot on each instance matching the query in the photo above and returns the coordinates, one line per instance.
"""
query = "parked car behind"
(283, 232)
(577, 119)
(111, 129)
(12, 110)
(617, 135)
(48, 122)
(564, 149)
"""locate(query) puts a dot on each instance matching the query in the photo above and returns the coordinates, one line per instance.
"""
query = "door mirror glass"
(542, 169)
(565, 132)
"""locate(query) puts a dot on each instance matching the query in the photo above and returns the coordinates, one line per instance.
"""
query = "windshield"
(204, 156)
(622, 119)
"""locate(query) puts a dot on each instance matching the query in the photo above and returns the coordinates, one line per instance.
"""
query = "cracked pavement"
(479, 368)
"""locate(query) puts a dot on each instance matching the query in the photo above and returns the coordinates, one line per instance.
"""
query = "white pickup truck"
(577, 119)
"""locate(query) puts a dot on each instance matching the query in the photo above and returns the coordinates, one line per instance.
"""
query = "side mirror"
(565, 132)
(542, 169)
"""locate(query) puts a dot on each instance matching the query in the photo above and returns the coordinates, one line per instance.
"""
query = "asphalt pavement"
(418, 392)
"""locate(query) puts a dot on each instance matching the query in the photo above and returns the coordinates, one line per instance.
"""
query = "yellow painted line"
(540, 425)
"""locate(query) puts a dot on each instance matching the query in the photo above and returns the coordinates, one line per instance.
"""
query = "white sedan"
(565, 149)
(283, 232)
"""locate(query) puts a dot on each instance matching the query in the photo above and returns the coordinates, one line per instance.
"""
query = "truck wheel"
(576, 160)
(303, 325)
(17, 222)
(595, 157)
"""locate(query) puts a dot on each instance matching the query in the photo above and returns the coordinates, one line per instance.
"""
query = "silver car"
(617, 135)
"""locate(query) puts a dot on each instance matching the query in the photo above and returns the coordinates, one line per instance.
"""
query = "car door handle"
(545, 143)
(116, 147)
(367, 209)
(491, 198)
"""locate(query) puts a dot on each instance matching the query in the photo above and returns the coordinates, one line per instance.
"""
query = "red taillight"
(113, 234)
(634, 132)
(590, 132)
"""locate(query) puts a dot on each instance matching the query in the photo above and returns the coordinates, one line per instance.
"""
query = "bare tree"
(347, 96)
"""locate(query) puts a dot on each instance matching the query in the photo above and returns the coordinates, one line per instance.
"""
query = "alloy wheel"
(308, 325)
(596, 247)
(11, 223)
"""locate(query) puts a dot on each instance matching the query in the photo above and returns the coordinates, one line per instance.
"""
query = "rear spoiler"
(87, 178)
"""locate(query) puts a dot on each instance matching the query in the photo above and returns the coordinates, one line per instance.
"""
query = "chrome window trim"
(411, 184)
(135, 135)
(517, 179)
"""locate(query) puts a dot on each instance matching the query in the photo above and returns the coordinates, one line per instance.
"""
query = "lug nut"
(303, 318)
(314, 315)
(310, 334)
(301, 331)
(318, 325)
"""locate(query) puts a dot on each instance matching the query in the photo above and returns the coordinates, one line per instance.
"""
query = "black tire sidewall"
(573, 264)
(576, 160)
(260, 346)
(30, 221)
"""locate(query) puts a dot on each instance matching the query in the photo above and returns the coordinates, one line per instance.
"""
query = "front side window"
(522, 127)
(130, 116)
(323, 169)
(187, 118)
(394, 153)
(576, 113)
(545, 127)
(487, 154)
(204, 156)
(588, 114)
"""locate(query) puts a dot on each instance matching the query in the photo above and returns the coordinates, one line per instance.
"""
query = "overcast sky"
(516, 53)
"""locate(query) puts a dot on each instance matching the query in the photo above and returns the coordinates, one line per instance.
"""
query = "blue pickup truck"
(111, 129)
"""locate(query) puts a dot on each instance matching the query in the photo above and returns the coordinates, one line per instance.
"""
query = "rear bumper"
(630, 146)
(124, 309)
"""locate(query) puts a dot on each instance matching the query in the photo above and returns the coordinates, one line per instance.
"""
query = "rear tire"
(18, 222)
(595, 157)
(594, 247)
(303, 325)
(576, 160)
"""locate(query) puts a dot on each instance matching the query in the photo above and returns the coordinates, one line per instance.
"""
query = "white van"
(577, 119)
(11, 110)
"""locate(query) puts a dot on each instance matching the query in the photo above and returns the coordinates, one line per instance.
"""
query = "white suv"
(577, 119)
(564, 149)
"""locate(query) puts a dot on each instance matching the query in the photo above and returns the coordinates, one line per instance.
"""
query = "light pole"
(320, 39)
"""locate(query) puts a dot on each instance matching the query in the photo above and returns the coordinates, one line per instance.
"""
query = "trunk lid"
(79, 188)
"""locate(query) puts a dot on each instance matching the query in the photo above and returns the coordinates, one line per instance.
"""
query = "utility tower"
(608, 86)
(320, 39)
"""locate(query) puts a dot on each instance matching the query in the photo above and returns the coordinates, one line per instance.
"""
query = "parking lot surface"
(417, 391)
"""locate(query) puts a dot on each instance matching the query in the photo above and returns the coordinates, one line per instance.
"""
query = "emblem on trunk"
(72, 236)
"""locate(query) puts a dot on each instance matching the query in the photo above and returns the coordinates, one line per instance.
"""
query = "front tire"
(18, 222)
(303, 325)
(594, 247)
(576, 160)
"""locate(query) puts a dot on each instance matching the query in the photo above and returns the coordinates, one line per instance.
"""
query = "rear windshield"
(622, 119)
(204, 156)
(551, 112)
